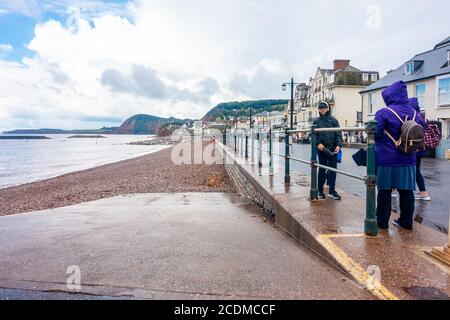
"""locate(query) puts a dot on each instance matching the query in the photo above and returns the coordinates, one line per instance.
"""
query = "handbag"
(339, 156)
(360, 158)
(432, 136)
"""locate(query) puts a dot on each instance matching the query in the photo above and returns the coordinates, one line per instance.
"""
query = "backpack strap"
(396, 114)
(396, 142)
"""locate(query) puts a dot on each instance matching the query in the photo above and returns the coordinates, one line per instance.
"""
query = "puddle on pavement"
(426, 293)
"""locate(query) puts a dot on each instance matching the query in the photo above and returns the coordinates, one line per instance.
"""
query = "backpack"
(432, 136)
(412, 138)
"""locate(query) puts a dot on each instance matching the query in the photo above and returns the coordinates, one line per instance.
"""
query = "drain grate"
(426, 293)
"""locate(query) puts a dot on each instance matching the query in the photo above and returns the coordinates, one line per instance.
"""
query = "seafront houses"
(277, 119)
(261, 120)
(339, 86)
(427, 76)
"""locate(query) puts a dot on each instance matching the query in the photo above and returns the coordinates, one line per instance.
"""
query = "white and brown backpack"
(412, 138)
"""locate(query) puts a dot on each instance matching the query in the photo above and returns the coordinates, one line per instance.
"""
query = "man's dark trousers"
(329, 161)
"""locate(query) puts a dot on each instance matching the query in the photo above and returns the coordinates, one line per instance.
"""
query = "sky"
(83, 64)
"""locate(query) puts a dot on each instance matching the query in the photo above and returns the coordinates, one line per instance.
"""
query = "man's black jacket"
(330, 140)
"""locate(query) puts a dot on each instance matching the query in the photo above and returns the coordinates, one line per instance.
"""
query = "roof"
(442, 43)
(432, 66)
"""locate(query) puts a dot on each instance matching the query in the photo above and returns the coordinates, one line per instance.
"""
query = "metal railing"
(241, 146)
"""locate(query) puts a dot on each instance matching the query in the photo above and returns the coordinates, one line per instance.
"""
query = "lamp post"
(302, 89)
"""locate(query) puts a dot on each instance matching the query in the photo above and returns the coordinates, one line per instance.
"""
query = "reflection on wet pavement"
(434, 213)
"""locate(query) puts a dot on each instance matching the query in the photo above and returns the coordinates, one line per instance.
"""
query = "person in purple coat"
(395, 170)
(423, 194)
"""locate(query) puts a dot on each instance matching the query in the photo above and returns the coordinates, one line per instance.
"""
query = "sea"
(25, 161)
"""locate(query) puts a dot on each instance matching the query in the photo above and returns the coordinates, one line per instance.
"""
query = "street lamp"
(292, 84)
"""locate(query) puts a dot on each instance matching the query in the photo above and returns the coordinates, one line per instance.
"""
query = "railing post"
(253, 146)
(370, 223)
(270, 153)
(242, 144)
(224, 138)
(260, 163)
(287, 167)
(246, 145)
(314, 192)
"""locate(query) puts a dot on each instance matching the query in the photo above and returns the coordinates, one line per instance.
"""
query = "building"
(277, 120)
(300, 104)
(261, 120)
(340, 87)
(427, 76)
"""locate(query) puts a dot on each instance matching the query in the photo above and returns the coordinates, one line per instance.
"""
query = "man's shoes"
(334, 195)
(398, 224)
(322, 195)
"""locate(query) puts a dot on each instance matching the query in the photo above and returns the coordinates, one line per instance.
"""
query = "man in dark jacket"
(329, 144)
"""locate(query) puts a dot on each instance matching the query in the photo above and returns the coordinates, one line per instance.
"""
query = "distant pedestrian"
(423, 194)
(395, 169)
(329, 144)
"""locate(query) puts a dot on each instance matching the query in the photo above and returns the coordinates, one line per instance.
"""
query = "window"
(374, 77)
(409, 68)
(420, 94)
(371, 103)
(332, 78)
(365, 76)
(444, 92)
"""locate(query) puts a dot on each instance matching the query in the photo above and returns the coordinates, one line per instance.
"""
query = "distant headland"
(148, 124)
(23, 137)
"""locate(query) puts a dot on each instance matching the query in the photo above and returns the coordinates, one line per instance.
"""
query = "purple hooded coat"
(396, 98)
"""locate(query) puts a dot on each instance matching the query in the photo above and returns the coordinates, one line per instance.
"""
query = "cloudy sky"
(89, 63)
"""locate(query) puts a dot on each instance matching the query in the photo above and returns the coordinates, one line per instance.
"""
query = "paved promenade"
(335, 229)
(162, 246)
(434, 214)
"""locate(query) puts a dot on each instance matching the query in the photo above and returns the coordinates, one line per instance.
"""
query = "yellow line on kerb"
(354, 269)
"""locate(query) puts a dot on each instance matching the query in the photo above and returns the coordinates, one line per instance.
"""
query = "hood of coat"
(396, 94)
(414, 103)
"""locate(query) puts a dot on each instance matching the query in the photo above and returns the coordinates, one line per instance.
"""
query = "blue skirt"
(400, 178)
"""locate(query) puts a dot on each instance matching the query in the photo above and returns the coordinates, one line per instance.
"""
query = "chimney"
(340, 64)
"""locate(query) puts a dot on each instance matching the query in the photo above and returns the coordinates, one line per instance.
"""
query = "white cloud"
(179, 58)
(85, 8)
(6, 47)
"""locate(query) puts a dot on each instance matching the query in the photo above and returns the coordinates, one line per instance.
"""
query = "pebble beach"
(153, 173)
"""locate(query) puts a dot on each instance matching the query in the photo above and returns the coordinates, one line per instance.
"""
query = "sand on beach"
(153, 173)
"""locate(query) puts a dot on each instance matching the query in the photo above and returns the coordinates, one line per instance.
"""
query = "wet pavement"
(335, 229)
(162, 246)
(434, 214)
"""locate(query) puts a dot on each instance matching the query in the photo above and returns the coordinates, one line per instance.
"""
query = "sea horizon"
(26, 161)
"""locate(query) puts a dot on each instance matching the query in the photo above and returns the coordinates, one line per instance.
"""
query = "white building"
(277, 119)
(340, 87)
(427, 76)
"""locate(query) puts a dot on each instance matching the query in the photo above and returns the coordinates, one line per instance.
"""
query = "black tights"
(384, 208)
